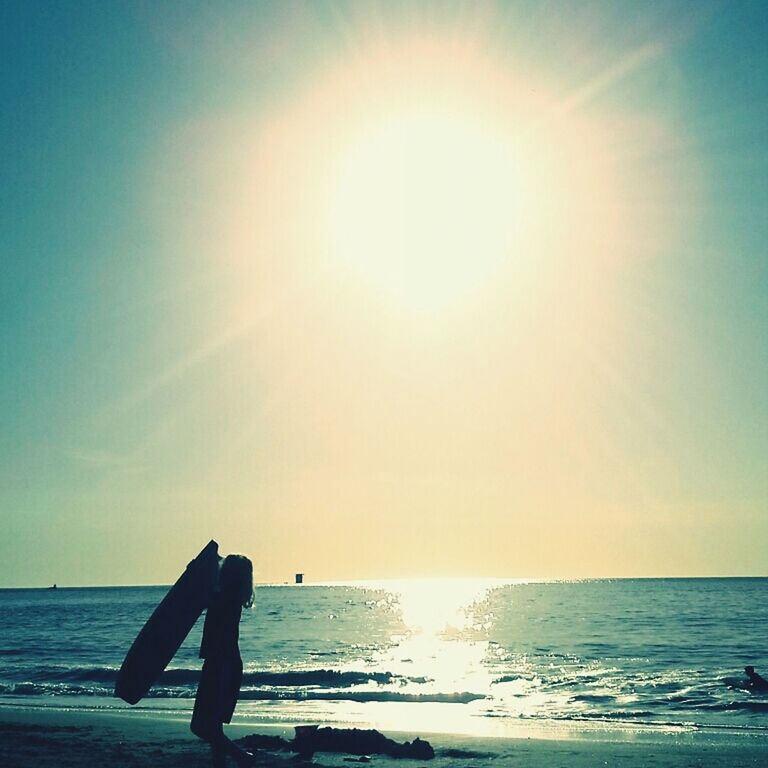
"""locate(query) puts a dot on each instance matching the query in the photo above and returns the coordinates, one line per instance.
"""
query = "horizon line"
(368, 582)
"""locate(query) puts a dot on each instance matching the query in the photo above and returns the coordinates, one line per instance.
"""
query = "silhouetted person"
(222, 670)
(756, 682)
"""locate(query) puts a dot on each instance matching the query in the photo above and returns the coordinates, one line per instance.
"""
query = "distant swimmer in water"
(756, 682)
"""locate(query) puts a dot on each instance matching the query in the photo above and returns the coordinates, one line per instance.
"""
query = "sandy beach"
(48, 738)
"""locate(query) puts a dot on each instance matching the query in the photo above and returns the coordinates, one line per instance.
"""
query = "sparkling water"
(436, 655)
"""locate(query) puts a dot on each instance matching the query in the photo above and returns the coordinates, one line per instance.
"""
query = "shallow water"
(465, 655)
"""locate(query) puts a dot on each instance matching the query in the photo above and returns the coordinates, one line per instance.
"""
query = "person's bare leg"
(217, 756)
(218, 748)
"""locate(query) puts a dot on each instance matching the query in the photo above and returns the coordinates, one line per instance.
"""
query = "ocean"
(466, 656)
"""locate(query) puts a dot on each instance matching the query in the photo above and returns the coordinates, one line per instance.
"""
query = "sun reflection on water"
(434, 606)
(438, 638)
(443, 649)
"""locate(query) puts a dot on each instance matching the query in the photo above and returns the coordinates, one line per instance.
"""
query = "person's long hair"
(236, 579)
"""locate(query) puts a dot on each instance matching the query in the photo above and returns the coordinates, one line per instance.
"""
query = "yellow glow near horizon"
(428, 205)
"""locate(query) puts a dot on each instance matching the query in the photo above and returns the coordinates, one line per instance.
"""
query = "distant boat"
(299, 578)
(53, 587)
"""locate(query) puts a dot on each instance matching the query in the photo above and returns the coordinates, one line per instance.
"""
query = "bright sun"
(428, 205)
(430, 177)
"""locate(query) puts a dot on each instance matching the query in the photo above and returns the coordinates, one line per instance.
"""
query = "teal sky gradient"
(132, 430)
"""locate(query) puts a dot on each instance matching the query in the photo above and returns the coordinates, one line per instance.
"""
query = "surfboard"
(169, 624)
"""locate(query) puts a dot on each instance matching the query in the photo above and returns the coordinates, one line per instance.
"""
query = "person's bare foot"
(245, 759)
(240, 756)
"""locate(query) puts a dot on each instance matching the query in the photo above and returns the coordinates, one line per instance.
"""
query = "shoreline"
(50, 737)
(480, 728)
(586, 729)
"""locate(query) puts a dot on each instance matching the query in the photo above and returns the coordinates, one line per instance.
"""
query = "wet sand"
(47, 738)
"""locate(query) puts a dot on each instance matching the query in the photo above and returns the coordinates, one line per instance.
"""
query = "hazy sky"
(371, 290)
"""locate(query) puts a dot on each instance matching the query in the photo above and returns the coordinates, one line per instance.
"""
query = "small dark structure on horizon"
(299, 578)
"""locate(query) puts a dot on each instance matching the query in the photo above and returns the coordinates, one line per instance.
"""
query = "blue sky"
(125, 377)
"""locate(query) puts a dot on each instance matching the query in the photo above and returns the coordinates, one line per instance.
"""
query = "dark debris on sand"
(353, 741)
(27, 746)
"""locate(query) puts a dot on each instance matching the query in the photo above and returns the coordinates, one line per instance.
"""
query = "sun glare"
(428, 205)
(434, 179)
